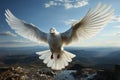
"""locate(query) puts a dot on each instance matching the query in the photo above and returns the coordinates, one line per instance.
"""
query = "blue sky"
(59, 14)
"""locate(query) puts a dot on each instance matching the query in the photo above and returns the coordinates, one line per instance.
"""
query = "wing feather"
(24, 29)
(91, 24)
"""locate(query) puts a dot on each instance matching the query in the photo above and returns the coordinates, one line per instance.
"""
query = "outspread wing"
(88, 26)
(24, 29)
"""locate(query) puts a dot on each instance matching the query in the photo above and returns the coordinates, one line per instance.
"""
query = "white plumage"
(57, 58)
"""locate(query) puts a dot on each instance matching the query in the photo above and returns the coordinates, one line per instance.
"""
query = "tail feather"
(56, 63)
(43, 56)
(50, 63)
(47, 59)
(53, 65)
(70, 54)
(67, 57)
(65, 61)
(42, 52)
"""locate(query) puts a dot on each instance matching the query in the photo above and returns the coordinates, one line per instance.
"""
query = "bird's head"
(53, 30)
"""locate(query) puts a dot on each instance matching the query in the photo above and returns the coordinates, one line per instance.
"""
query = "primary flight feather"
(57, 58)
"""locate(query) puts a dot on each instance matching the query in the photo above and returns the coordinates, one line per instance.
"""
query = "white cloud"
(111, 34)
(70, 21)
(19, 43)
(116, 18)
(64, 1)
(112, 43)
(118, 27)
(97, 43)
(51, 3)
(108, 43)
(67, 4)
(15, 41)
(108, 35)
(118, 34)
(8, 33)
(76, 5)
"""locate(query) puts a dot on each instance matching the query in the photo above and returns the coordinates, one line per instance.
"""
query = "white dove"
(57, 58)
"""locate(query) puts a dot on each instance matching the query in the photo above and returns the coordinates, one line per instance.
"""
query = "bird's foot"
(58, 56)
(52, 56)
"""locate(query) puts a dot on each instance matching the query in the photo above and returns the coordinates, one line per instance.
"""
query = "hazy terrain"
(24, 64)
(98, 57)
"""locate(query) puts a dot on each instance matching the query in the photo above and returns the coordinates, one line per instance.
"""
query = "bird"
(56, 57)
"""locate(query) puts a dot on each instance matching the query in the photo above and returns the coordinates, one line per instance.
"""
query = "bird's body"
(55, 44)
(57, 58)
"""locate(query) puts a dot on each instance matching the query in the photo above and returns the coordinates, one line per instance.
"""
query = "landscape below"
(89, 64)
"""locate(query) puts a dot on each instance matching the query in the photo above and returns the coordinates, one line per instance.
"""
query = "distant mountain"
(102, 57)
(89, 56)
